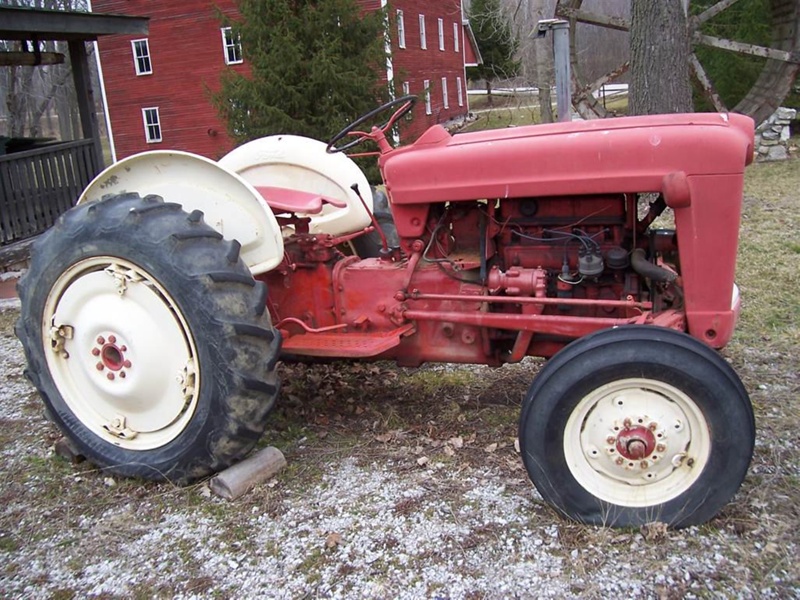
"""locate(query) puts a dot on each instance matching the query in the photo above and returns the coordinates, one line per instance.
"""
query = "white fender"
(229, 203)
(301, 163)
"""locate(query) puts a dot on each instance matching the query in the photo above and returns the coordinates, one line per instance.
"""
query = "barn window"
(441, 35)
(231, 46)
(141, 57)
(407, 92)
(455, 37)
(445, 100)
(423, 42)
(459, 92)
(427, 86)
(401, 30)
(152, 125)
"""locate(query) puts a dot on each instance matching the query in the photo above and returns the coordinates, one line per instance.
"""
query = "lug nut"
(110, 376)
(101, 340)
(112, 339)
(95, 352)
(611, 439)
(100, 366)
(661, 447)
(127, 364)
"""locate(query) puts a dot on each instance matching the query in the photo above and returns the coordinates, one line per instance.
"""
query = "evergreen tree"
(496, 42)
(314, 67)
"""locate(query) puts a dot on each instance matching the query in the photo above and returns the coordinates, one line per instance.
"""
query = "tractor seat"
(285, 200)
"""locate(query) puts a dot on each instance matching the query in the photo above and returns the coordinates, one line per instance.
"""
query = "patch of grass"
(427, 381)
(8, 543)
(767, 270)
(505, 117)
(516, 111)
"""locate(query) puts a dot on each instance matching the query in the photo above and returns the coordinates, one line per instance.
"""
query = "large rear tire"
(634, 425)
(147, 339)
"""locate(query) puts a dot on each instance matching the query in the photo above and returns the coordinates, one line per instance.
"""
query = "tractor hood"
(628, 154)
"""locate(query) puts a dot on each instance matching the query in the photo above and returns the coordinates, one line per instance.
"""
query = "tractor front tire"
(147, 338)
(634, 425)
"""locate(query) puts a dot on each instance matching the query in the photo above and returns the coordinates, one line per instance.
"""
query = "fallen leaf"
(322, 435)
(490, 448)
(449, 451)
(516, 445)
(422, 461)
(109, 481)
(772, 548)
(333, 540)
(384, 437)
(655, 531)
(456, 442)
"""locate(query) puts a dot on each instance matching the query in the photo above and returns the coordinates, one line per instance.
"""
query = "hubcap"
(636, 442)
(120, 353)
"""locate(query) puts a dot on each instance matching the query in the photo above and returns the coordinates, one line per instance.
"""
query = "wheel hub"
(636, 443)
(112, 357)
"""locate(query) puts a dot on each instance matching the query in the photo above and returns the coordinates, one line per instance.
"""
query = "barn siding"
(187, 58)
(415, 65)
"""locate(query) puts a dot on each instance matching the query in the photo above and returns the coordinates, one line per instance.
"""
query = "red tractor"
(155, 311)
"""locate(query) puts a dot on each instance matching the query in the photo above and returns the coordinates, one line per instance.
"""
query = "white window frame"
(426, 85)
(407, 92)
(445, 99)
(229, 44)
(143, 57)
(455, 37)
(401, 30)
(152, 139)
(423, 39)
(459, 91)
(441, 34)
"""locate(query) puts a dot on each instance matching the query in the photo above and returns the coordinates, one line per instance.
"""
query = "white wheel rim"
(121, 353)
(636, 442)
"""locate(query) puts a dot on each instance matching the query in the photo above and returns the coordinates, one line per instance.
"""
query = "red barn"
(156, 88)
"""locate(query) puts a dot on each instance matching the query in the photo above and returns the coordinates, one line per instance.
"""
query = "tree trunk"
(489, 92)
(659, 58)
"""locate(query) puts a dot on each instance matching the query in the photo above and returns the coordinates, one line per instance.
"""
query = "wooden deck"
(37, 186)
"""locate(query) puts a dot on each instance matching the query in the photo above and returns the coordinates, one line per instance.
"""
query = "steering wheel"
(406, 103)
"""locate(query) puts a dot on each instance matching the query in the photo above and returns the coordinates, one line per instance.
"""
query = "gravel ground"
(403, 514)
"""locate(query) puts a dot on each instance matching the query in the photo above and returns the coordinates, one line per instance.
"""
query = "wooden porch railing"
(37, 186)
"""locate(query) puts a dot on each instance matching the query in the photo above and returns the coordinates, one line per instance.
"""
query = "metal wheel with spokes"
(780, 66)
(148, 340)
(637, 424)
